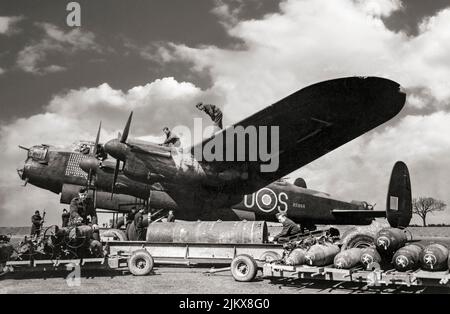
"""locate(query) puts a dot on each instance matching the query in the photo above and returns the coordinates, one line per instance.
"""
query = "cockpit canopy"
(84, 147)
(87, 147)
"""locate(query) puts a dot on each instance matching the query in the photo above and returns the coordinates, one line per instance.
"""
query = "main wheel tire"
(357, 240)
(140, 263)
(243, 268)
(269, 256)
(116, 234)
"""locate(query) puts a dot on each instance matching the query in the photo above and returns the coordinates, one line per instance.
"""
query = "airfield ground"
(194, 281)
(168, 280)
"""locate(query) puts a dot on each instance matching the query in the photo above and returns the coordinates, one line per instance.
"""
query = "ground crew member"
(130, 217)
(171, 138)
(139, 225)
(65, 218)
(171, 216)
(36, 224)
(213, 112)
(81, 207)
(290, 228)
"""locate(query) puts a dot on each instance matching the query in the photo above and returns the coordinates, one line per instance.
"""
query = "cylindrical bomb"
(434, 257)
(251, 232)
(83, 231)
(321, 254)
(370, 256)
(348, 258)
(407, 257)
(296, 257)
(389, 240)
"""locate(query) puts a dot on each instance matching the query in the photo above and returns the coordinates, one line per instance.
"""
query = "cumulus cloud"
(75, 115)
(310, 41)
(8, 25)
(306, 42)
(361, 168)
(32, 58)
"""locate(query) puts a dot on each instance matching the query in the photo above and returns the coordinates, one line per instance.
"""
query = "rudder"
(399, 198)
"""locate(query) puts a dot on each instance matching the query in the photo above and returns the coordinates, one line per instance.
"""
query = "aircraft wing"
(312, 122)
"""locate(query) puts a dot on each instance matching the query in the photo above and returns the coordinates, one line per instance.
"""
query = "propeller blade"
(116, 173)
(97, 139)
(126, 130)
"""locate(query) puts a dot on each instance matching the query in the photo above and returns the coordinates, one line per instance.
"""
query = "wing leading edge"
(314, 121)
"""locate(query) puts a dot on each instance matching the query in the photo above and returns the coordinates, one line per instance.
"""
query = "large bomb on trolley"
(434, 257)
(348, 259)
(321, 254)
(389, 240)
(408, 257)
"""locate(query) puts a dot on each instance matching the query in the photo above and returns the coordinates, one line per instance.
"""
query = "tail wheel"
(140, 263)
(243, 268)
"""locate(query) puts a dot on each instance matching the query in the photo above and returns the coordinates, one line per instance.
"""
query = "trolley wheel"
(243, 268)
(140, 263)
(269, 256)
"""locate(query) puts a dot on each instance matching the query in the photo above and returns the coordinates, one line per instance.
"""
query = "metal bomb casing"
(408, 257)
(389, 240)
(321, 254)
(348, 259)
(434, 257)
(296, 257)
(208, 232)
(370, 256)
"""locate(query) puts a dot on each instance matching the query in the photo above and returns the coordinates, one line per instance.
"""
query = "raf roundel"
(266, 200)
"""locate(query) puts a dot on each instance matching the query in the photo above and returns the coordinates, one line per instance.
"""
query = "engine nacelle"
(136, 170)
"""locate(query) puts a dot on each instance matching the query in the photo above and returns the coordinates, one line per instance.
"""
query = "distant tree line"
(422, 206)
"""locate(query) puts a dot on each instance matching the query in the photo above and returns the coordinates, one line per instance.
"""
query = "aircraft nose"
(116, 149)
(89, 164)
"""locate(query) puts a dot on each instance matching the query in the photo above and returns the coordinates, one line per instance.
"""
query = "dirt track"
(184, 281)
(190, 281)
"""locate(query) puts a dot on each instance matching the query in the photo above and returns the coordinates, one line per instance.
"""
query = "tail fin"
(399, 199)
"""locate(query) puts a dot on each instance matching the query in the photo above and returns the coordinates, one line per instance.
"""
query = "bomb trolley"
(375, 278)
(139, 258)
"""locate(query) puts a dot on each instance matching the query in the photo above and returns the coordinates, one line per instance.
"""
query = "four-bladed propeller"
(91, 163)
(116, 149)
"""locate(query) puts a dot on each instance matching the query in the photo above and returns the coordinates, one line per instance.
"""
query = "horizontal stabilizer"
(361, 213)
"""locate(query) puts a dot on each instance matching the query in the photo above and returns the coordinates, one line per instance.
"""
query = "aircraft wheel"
(269, 256)
(140, 263)
(243, 268)
(116, 234)
(358, 240)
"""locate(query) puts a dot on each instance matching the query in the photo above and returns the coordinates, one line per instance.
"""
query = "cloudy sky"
(159, 58)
